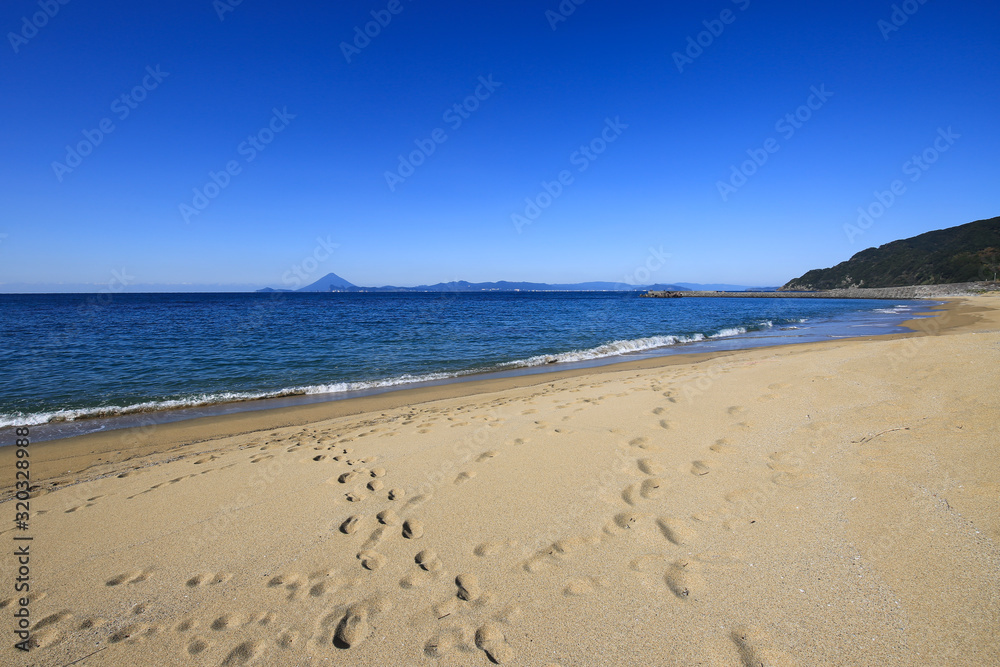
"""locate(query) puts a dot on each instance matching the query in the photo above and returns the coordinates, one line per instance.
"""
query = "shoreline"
(77, 451)
(158, 413)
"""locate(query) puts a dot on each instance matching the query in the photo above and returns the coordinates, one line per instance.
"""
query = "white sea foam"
(33, 419)
(736, 331)
(612, 349)
(895, 310)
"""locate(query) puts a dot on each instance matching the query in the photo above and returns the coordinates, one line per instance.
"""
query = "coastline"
(71, 422)
(78, 451)
(816, 503)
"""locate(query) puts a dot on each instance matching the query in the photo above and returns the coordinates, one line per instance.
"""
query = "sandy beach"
(820, 504)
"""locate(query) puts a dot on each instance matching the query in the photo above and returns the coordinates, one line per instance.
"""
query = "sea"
(78, 363)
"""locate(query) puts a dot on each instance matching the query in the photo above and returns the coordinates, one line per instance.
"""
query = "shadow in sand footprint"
(353, 628)
(751, 654)
(468, 587)
(490, 639)
(197, 647)
(676, 531)
(128, 578)
(428, 560)
(350, 525)
(684, 579)
(465, 476)
(244, 653)
(413, 529)
(700, 468)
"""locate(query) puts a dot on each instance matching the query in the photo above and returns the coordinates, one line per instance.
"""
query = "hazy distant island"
(331, 282)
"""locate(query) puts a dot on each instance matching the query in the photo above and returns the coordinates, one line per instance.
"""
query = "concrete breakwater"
(907, 292)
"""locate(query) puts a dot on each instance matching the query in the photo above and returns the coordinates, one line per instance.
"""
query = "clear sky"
(660, 129)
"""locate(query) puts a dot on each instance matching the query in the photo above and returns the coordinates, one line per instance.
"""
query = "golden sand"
(823, 504)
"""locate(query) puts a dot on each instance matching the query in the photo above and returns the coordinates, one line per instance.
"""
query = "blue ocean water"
(67, 357)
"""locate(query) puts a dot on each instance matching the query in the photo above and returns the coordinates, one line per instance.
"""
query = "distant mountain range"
(331, 282)
(966, 253)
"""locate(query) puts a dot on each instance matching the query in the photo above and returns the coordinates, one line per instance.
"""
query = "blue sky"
(204, 82)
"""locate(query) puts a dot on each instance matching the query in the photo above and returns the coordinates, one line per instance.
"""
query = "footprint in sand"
(676, 530)
(752, 654)
(490, 639)
(354, 628)
(92, 622)
(184, 625)
(413, 529)
(465, 476)
(129, 632)
(45, 633)
(225, 622)
(722, 446)
(631, 494)
(582, 587)
(468, 587)
(396, 494)
(387, 518)
(652, 488)
(428, 560)
(648, 489)
(372, 560)
(789, 470)
(492, 547)
(684, 579)
(244, 653)
(627, 520)
(287, 638)
(700, 468)
(374, 539)
(129, 578)
(375, 485)
(321, 588)
(197, 646)
(293, 583)
(650, 467)
(793, 480)
(208, 579)
(417, 579)
(351, 525)
(646, 563)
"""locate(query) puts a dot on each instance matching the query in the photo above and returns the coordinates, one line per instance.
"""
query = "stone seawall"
(909, 292)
